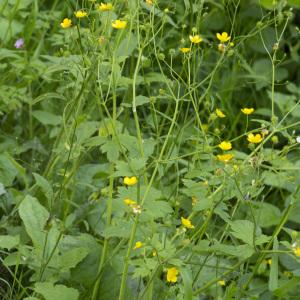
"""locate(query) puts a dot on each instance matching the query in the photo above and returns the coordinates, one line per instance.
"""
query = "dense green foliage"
(210, 211)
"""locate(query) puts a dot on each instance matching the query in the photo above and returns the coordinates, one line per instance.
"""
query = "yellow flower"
(269, 261)
(138, 245)
(225, 157)
(129, 202)
(154, 253)
(149, 2)
(80, 14)
(172, 274)
(185, 50)
(118, 24)
(224, 37)
(66, 23)
(220, 114)
(247, 111)
(104, 6)
(195, 39)
(221, 282)
(296, 251)
(225, 145)
(130, 180)
(254, 139)
(187, 223)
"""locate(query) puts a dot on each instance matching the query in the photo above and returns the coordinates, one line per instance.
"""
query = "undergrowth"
(149, 150)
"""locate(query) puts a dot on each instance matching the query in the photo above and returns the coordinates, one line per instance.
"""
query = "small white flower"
(298, 139)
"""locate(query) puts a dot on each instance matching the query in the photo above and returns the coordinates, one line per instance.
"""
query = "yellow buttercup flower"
(224, 37)
(80, 14)
(196, 39)
(104, 6)
(185, 50)
(221, 282)
(172, 274)
(129, 202)
(130, 180)
(225, 157)
(225, 145)
(254, 139)
(296, 251)
(66, 23)
(220, 114)
(149, 2)
(138, 245)
(187, 223)
(247, 111)
(119, 24)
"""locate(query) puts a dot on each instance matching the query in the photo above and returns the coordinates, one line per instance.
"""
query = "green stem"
(130, 245)
(105, 245)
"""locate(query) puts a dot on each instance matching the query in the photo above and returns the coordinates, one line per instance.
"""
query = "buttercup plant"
(149, 150)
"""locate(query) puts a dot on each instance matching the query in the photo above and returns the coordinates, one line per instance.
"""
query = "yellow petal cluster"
(223, 38)
(138, 245)
(225, 157)
(187, 223)
(130, 180)
(119, 24)
(80, 14)
(219, 113)
(104, 6)
(129, 202)
(254, 139)
(172, 274)
(185, 50)
(66, 23)
(196, 39)
(225, 145)
(247, 111)
(221, 282)
(296, 251)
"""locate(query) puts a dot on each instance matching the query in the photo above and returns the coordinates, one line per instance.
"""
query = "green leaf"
(55, 292)
(141, 100)
(8, 242)
(2, 189)
(47, 118)
(244, 230)
(8, 169)
(242, 251)
(34, 217)
(122, 229)
(203, 204)
(266, 214)
(9, 28)
(280, 180)
(111, 148)
(71, 258)
(187, 283)
(127, 46)
(158, 209)
(44, 185)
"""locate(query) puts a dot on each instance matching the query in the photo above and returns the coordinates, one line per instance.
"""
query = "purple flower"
(19, 43)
